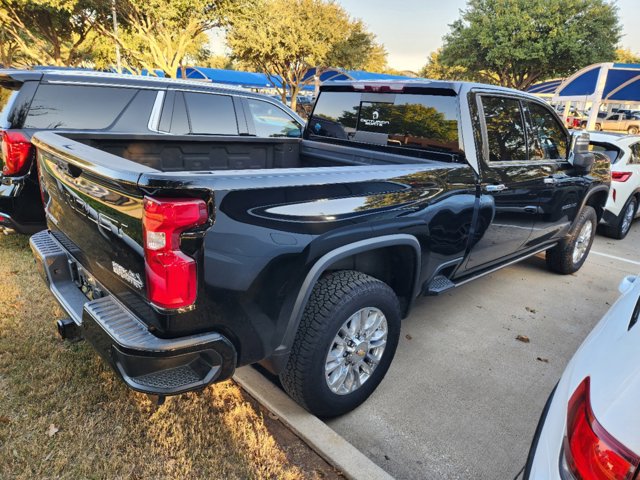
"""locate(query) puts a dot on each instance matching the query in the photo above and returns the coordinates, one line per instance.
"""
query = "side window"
(179, 118)
(505, 129)
(211, 114)
(77, 106)
(548, 138)
(635, 154)
(271, 121)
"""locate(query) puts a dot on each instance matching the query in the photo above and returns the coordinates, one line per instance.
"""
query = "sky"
(411, 29)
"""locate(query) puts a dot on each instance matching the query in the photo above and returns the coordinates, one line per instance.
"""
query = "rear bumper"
(145, 363)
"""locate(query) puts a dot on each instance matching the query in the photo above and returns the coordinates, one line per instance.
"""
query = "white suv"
(624, 196)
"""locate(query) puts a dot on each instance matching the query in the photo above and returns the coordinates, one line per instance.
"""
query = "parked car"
(575, 119)
(624, 196)
(589, 427)
(620, 122)
(585, 119)
(32, 101)
(181, 258)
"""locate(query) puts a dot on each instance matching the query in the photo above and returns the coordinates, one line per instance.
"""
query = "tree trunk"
(293, 89)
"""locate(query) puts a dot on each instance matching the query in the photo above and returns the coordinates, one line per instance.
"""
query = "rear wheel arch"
(405, 245)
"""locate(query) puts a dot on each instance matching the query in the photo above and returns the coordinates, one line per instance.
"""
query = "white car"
(624, 196)
(590, 427)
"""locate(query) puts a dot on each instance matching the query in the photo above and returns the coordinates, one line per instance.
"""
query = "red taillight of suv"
(171, 274)
(620, 176)
(16, 153)
(590, 452)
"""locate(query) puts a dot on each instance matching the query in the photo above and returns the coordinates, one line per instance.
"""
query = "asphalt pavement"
(463, 395)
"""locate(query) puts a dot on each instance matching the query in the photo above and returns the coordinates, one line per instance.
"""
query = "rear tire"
(569, 255)
(632, 131)
(598, 127)
(623, 221)
(332, 340)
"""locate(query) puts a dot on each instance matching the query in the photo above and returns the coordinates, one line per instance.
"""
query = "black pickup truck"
(182, 258)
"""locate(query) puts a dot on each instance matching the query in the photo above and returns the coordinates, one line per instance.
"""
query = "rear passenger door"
(507, 181)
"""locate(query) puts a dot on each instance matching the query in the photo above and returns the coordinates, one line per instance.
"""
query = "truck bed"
(206, 153)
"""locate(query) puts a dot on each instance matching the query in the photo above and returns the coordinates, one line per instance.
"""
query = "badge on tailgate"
(127, 275)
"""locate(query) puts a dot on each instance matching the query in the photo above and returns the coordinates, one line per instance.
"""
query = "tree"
(10, 53)
(52, 32)
(287, 38)
(354, 51)
(377, 59)
(519, 42)
(436, 70)
(161, 35)
(625, 55)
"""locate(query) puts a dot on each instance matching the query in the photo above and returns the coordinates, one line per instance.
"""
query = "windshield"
(399, 121)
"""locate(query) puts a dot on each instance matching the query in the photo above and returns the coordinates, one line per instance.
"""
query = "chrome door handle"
(495, 188)
(550, 181)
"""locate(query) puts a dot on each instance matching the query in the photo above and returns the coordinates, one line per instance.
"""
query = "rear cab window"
(77, 106)
(405, 123)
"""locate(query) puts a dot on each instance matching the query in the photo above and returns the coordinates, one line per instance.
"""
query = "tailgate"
(94, 208)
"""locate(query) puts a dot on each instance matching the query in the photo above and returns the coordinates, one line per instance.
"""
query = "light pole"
(115, 34)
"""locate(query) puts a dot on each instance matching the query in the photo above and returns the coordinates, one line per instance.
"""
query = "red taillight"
(16, 152)
(591, 453)
(171, 274)
(620, 176)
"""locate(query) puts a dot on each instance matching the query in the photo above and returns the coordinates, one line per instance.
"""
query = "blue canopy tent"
(261, 80)
(601, 83)
(545, 89)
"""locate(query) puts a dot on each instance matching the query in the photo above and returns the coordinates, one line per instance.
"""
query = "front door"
(559, 190)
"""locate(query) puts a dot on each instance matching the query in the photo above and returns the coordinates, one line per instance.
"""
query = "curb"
(313, 431)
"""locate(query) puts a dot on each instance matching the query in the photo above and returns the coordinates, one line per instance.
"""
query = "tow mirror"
(580, 156)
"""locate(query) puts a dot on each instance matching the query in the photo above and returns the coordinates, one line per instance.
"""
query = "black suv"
(32, 100)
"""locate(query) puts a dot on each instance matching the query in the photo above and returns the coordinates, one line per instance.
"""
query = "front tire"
(345, 343)
(623, 221)
(632, 131)
(598, 127)
(570, 254)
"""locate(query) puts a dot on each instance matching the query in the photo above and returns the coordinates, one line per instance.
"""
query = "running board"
(440, 284)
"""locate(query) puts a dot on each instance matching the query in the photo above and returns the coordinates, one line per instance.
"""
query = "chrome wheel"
(628, 218)
(582, 242)
(356, 350)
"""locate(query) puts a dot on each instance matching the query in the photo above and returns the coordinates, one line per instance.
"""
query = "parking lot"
(463, 396)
